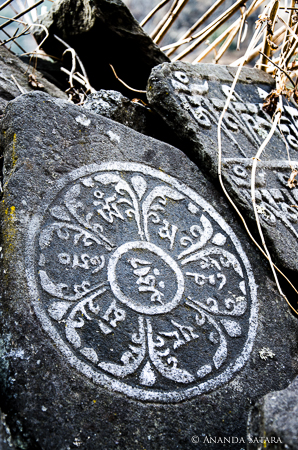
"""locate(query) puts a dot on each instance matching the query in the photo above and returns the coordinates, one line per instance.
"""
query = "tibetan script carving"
(141, 284)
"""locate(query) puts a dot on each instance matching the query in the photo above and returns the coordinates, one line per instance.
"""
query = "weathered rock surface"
(190, 99)
(130, 313)
(103, 32)
(133, 114)
(275, 417)
(10, 65)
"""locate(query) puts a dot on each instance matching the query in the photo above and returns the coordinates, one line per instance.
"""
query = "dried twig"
(267, 40)
(199, 22)
(22, 13)
(255, 52)
(153, 11)
(124, 84)
(15, 42)
(5, 4)
(159, 26)
(172, 17)
(22, 90)
(200, 37)
(25, 31)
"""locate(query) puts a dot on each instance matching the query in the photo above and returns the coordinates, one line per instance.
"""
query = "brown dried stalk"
(17, 44)
(266, 50)
(153, 11)
(172, 18)
(124, 84)
(15, 36)
(210, 29)
(199, 22)
(226, 44)
(22, 13)
(255, 52)
(5, 4)
(218, 41)
(159, 26)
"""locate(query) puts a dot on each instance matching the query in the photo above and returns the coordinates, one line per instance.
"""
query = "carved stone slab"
(191, 98)
(130, 294)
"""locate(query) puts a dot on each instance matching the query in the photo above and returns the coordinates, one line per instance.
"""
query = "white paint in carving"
(147, 377)
(193, 208)
(102, 378)
(58, 309)
(233, 328)
(132, 303)
(140, 185)
(159, 193)
(262, 94)
(168, 367)
(242, 287)
(227, 259)
(88, 182)
(132, 358)
(219, 239)
(204, 370)
(42, 259)
(59, 212)
(114, 138)
(168, 231)
(90, 354)
(181, 76)
(83, 120)
(204, 233)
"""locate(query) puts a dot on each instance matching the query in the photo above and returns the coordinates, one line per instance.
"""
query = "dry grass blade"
(15, 36)
(229, 34)
(255, 52)
(22, 90)
(226, 44)
(200, 37)
(173, 16)
(199, 22)
(292, 43)
(254, 40)
(153, 11)
(267, 40)
(22, 13)
(76, 55)
(217, 41)
(124, 84)
(159, 26)
(242, 22)
(73, 64)
(17, 44)
(5, 4)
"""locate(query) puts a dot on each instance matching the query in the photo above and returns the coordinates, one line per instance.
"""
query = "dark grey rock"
(133, 114)
(275, 418)
(10, 65)
(115, 106)
(103, 32)
(190, 100)
(112, 239)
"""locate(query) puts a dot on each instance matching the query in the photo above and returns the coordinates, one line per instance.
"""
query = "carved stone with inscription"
(135, 309)
(191, 98)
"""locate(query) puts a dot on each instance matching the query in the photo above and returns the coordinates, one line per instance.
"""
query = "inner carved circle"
(145, 278)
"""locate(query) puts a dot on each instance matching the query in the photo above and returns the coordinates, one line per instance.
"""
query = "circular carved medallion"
(141, 283)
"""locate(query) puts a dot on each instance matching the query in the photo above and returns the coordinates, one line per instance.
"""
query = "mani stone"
(135, 311)
(275, 417)
(102, 32)
(10, 65)
(190, 100)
